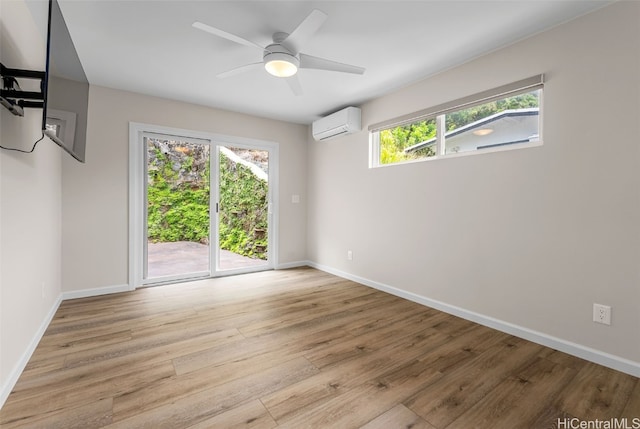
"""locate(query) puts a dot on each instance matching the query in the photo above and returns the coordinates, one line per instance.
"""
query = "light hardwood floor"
(294, 349)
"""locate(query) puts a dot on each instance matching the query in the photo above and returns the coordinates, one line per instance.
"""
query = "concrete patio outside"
(182, 257)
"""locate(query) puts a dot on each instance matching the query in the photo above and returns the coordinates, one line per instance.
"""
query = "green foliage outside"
(178, 210)
(394, 141)
(243, 210)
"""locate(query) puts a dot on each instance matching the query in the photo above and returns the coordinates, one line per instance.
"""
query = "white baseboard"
(597, 356)
(295, 264)
(15, 373)
(86, 293)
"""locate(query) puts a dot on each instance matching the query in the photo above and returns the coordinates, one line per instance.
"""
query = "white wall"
(95, 194)
(30, 208)
(530, 237)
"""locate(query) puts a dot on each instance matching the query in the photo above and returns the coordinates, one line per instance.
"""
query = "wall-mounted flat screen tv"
(64, 119)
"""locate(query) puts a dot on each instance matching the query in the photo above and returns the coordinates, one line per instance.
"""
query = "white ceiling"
(150, 47)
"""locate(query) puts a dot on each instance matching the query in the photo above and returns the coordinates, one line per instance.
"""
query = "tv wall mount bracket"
(13, 97)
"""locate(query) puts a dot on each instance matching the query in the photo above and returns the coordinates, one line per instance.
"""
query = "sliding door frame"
(137, 197)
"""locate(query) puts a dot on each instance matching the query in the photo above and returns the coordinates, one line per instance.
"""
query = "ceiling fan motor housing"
(276, 52)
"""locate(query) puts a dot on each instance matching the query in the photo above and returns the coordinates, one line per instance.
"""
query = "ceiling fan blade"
(225, 35)
(238, 70)
(304, 31)
(294, 84)
(310, 62)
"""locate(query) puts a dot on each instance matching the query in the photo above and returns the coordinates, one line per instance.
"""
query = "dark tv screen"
(64, 119)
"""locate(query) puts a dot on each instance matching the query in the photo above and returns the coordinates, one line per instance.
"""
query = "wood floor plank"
(632, 409)
(448, 398)
(551, 417)
(224, 364)
(563, 359)
(93, 415)
(392, 331)
(49, 402)
(85, 330)
(353, 409)
(257, 346)
(128, 403)
(296, 348)
(43, 366)
(50, 350)
(226, 299)
(348, 374)
(251, 415)
(509, 406)
(142, 343)
(346, 307)
(80, 376)
(255, 312)
(597, 392)
(195, 408)
(302, 312)
(336, 385)
(398, 417)
(121, 318)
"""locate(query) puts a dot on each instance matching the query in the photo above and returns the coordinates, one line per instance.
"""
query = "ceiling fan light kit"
(283, 58)
(281, 64)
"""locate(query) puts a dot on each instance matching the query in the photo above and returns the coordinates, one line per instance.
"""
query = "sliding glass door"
(204, 206)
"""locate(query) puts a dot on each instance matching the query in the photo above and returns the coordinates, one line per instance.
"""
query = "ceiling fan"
(283, 58)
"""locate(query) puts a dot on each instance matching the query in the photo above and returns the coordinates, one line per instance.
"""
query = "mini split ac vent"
(345, 121)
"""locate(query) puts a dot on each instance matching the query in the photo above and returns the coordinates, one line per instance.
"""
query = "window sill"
(467, 153)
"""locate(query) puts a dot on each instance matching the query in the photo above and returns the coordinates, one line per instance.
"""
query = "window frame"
(440, 111)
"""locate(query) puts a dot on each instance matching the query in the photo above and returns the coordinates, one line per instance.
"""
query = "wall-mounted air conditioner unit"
(345, 121)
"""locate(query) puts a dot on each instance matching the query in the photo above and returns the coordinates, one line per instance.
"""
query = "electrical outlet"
(349, 255)
(602, 314)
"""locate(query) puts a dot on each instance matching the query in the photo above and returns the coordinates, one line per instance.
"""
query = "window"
(504, 117)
